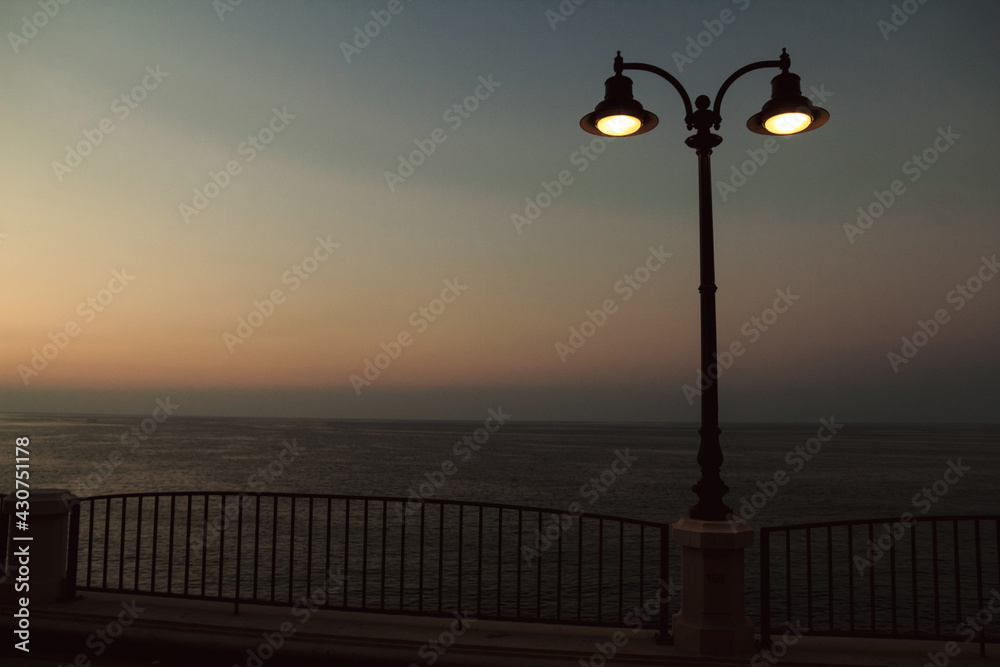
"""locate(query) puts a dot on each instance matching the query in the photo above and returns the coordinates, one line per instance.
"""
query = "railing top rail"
(340, 496)
(894, 519)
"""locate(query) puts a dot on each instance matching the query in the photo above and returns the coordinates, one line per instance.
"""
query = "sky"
(389, 210)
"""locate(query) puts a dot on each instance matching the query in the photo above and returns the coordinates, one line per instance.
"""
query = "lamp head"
(619, 114)
(788, 111)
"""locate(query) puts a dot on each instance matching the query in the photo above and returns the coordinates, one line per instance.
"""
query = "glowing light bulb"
(788, 123)
(619, 126)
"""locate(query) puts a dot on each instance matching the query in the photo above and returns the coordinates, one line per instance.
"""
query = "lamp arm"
(784, 63)
(670, 79)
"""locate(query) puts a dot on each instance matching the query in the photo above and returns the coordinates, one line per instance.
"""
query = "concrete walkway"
(105, 630)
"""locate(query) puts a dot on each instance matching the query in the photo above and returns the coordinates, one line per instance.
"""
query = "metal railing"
(377, 554)
(911, 577)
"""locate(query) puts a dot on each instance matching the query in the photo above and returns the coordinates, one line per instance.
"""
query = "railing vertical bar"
(913, 568)
(937, 599)
(871, 578)
(121, 545)
(765, 587)
(385, 544)
(274, 545)
(600, 568)
(579, 572)
(291, 550)
(788, 573)
(479, 567)
(222, 539)
(829, 575)
(538, 571)
(326, 565)
(664, 610)
(204, 544)
(559, 561)
(402, 553)
(90, 544)
(850, 573)
(420, 577)
(364, 558)
(309, 550)
(958, 569)
(170, 548)
(107, 538)
(642, 563)
(256, 545)
(892, 585)
(461, 525)
(979, 587)
(520, 521)
(239, 550)
(187, 544)
(500, 558)
(138, 545)
(621, 570)
(809, 579)
(156, 537)
(440, 557)
(347, 545)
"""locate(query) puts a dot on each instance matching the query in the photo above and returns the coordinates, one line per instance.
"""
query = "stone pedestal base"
(46, 551)
(712, 621)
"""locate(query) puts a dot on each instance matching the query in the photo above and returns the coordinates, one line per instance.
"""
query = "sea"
(778, 474)
(830, 470)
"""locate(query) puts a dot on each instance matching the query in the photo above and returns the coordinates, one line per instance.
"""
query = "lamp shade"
(788, 111)
(619, 114)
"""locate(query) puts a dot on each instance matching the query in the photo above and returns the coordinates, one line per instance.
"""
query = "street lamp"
(787, 112)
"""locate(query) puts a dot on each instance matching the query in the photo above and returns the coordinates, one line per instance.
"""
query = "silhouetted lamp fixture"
(787, 112)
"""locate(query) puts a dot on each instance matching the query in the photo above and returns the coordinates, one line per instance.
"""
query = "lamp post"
(787, 112)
